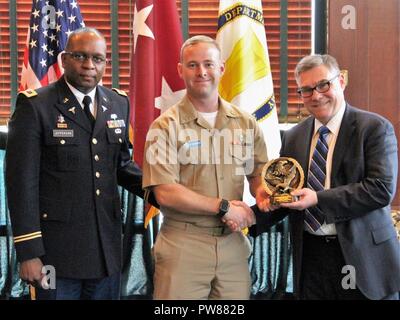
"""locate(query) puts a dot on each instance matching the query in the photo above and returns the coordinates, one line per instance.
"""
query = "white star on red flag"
(140, 27)
(155, 84)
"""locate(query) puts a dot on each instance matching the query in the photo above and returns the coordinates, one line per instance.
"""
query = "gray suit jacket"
(363, 183)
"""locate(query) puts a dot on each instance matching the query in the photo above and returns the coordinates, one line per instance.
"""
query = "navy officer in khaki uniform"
(63, 164)
(196, 157)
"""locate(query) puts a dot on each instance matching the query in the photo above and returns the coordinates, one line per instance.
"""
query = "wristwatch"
(223, 208)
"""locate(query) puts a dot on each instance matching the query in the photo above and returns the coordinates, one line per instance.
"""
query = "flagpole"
(114, 45)
(283, 35)
(185, 19)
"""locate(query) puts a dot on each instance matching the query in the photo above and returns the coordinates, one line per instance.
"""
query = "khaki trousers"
(195, 263)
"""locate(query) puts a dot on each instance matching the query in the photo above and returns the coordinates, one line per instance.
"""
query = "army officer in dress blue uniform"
(62, 171)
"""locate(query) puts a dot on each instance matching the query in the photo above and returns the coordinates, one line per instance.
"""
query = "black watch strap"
(223, 208)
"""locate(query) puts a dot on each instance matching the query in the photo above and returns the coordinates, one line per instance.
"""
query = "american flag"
(50, 25)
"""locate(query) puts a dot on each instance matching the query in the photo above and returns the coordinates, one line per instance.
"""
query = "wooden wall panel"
(371, 54)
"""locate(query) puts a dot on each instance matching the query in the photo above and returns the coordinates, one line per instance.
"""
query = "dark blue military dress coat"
(62, 180)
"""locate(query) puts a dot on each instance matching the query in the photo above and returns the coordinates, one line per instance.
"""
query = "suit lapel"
(305, 145)
(70, 107)
(343, 140)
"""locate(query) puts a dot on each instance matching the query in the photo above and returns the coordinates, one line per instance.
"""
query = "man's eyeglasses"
(81, 57)
(322, 87)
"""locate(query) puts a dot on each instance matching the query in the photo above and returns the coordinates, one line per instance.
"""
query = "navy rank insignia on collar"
(61, 124)
(65, 100)
(29, 93)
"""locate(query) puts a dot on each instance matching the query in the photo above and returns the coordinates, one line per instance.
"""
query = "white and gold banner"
(247, 81)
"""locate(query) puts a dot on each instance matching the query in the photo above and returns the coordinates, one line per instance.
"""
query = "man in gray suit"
(344, 241)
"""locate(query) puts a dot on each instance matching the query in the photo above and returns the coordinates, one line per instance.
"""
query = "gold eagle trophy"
(280, 177)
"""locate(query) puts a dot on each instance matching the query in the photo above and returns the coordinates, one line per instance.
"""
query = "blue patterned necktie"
(314, 217)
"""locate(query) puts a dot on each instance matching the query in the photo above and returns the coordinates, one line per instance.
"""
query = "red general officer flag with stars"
(50, 25)
(155, 84)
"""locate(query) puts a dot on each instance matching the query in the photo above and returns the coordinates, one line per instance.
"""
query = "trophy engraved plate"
(280, 177)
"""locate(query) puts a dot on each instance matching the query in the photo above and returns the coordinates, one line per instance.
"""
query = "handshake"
(240, 215)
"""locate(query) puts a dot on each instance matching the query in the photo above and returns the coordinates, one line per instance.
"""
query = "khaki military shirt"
(181, 147)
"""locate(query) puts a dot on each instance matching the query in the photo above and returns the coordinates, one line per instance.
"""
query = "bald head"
(79, 33)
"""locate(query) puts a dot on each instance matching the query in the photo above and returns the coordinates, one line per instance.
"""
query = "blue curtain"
(137, 271)
(271, 264)
(11, 285)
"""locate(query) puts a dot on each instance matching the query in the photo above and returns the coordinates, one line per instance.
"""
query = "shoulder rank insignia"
(120, 92)
(29, 93)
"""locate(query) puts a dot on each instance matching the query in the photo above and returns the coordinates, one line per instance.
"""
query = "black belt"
(327, 238)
